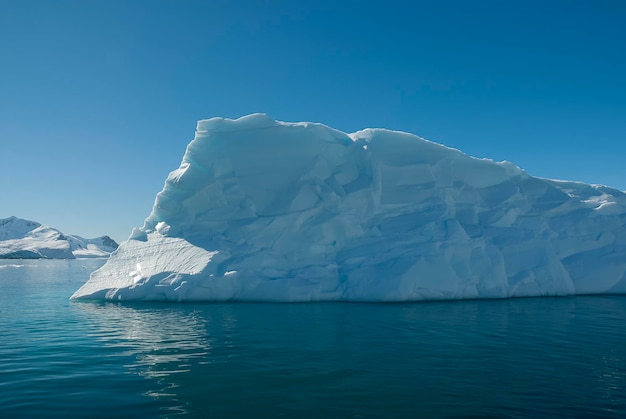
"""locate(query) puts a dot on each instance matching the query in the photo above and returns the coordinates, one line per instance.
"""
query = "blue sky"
(98, 99)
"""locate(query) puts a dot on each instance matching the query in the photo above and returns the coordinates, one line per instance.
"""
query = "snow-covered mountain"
(272, 211)
(24, 239)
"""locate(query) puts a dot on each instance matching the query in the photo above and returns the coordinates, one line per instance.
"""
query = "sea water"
(532, 357)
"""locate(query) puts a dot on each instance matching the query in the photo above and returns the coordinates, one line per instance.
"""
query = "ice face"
(262, 210)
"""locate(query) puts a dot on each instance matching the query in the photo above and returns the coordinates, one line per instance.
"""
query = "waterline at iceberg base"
(261, 210)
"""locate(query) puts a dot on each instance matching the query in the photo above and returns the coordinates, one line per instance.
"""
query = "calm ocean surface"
(537, 357)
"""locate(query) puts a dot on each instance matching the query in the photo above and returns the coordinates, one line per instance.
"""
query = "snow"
(24, 239)
(261, 210)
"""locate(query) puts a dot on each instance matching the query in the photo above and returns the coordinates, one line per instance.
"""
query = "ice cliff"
(272, 211)
(25, 239)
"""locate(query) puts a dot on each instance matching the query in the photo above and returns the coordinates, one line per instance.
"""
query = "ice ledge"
(248, 122)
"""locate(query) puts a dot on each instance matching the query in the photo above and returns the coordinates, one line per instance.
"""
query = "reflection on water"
(519, 358)
(162, 340)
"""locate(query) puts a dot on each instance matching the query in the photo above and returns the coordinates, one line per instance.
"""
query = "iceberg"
(25, 239)
(262, 210)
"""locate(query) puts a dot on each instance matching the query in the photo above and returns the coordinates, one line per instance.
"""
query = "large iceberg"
(261, 210)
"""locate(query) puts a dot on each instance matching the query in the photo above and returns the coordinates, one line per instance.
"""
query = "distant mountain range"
(25, 239)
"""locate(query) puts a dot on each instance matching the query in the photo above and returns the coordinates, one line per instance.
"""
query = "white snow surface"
(25, 239)
(261, 210)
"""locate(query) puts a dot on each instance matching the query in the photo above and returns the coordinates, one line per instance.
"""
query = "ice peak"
(16, 226)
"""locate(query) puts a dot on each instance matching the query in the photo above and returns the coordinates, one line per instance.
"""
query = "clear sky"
(98, 99)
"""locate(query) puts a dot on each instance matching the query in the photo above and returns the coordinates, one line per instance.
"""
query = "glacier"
(262, 210)
(26, 239)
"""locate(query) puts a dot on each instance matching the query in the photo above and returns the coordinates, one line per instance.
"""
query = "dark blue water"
(503, 358)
